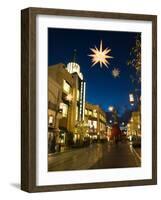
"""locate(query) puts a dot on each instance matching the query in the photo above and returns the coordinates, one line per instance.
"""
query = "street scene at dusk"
(94, 99)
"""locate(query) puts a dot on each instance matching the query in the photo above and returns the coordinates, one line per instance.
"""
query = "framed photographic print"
(89, 99)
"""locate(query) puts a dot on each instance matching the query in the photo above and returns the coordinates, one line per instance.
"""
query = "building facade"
(71, 95)
(134, 125)
(54, 113)
(95, 117)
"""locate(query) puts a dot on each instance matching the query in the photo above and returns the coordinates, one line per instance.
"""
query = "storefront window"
(90, 123)
(95, 124)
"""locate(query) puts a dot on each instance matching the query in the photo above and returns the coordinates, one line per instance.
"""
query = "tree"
(135, 63)
(135, 55)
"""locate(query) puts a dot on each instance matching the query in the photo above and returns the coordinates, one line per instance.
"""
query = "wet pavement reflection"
(96, 156)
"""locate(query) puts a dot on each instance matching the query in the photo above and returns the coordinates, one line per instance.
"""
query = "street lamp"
(131, 99)
(110, 108)
(114, 114)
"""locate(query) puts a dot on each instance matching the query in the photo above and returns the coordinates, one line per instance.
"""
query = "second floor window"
(64, 108)
(66, 87)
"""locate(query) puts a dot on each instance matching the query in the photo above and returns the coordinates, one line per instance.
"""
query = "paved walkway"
(96, 156)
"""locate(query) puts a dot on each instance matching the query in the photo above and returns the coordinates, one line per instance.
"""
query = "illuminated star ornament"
(100, 56)
(115, 73)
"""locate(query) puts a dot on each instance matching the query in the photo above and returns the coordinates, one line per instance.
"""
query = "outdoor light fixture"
(100, 56)
(110, 121)
(51, 119)
(110, 108)
(131, 99)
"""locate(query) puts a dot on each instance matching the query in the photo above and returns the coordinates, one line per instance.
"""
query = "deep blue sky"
(102, 87)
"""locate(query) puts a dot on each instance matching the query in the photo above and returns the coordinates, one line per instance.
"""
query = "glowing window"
(90, 123)
(95, 124)
(64, 108)
(51, 119)
(76, 113)
(94, 113)
(66, 87)
(90, 112)
(77, 95)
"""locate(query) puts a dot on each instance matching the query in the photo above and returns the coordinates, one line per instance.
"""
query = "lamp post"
(114, 114)
(115, 131)
(131, 99)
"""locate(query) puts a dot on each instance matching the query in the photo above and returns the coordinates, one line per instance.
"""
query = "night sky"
(101, 88)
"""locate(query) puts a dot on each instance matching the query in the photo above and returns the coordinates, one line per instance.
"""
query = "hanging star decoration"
(115, 72)
(100, 56)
